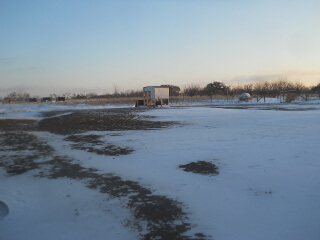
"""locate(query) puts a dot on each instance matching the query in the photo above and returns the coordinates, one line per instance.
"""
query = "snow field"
(58, 209)
(268, 182)
(268, 186)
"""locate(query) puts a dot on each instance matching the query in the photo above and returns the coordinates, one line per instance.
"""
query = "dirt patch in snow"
(19, 152)
(164, 217)
(92, 143)
(4, 209)
(201, 167)
(17, 125)
(81, 121)
(153, 216)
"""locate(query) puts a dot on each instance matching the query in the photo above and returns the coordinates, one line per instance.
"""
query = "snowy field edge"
(267, 186)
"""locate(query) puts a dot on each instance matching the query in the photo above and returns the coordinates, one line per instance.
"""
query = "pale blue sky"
(81, 45)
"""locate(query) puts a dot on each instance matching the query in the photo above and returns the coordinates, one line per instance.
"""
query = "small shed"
(60, 99)
(32, 100)
(154, 96)
(46, 99)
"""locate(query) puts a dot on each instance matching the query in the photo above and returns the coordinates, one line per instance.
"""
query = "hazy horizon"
(81, 46)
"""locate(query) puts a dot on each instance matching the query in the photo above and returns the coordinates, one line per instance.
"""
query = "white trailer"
(154, 96)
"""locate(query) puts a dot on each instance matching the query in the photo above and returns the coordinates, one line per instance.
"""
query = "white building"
(154, 96)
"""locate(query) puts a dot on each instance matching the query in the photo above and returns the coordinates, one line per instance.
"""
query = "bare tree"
(173, 90)
(316, 89)
(12, 96)
(18, 96)
(91, 95)
(23, 96)
(248, 88)
(233, 90)
(53, 96)
(261, 88)
(282, 85)
(115, 90)
(299, 87)
(214, 88)
(192, 90)
(67, 95)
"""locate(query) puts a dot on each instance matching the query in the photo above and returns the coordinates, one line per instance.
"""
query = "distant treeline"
(258, 89)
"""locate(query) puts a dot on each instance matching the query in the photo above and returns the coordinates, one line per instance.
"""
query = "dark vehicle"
(60, 99)
(32, 100)
(46, 99)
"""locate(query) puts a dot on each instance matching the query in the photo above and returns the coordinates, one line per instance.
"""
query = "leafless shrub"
(214, 88)
(192, 90)
(18, 96)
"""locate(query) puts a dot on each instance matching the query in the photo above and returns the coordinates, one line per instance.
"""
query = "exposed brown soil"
(17, 125)
(22, 152)
(98, 120)
(19, 152)
(22, 141)
(4, 209)
(92, 143)
(201, 167)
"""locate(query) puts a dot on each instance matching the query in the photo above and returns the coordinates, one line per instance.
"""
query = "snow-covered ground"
(32, 110)
(267, 187)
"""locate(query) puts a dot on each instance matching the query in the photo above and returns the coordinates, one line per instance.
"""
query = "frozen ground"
(32, 110)
(267, 187)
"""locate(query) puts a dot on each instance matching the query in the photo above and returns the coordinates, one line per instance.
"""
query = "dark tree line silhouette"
(259, 89)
